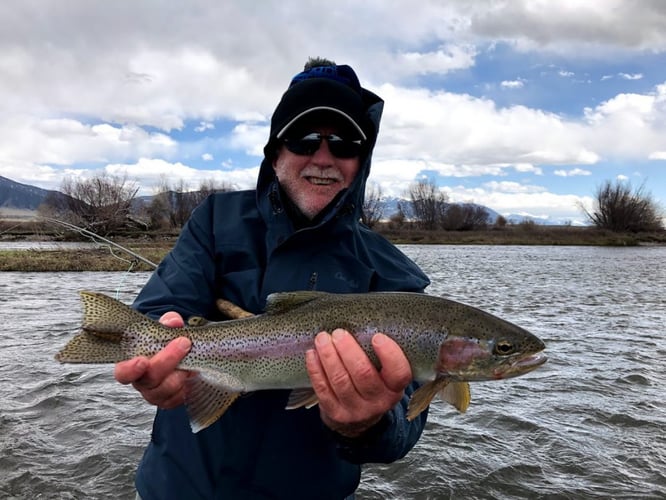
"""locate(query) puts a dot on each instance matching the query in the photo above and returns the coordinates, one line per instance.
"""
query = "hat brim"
(299, 116)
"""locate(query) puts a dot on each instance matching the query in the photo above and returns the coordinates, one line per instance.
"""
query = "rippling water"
(591, 423)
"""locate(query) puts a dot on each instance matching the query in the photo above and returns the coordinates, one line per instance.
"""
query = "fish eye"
(504, 348)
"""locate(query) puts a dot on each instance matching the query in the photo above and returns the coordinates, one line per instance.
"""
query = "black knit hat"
(322, 89)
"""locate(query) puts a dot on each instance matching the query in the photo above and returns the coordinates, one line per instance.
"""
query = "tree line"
(108, 204)
(426, 207)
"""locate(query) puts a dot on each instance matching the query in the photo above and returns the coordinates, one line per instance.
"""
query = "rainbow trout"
(447, 344)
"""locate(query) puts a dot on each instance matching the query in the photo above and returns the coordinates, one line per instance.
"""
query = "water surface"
(588, 424)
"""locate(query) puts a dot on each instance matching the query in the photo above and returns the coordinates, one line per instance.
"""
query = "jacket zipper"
(312, 282)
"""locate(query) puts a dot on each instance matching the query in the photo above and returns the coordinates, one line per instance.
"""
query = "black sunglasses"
(309, 144)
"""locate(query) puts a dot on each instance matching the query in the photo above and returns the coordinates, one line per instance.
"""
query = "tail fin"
(105, 321)
(105, 316)
(86, 347)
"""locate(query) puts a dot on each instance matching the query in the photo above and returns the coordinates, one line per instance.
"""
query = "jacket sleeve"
(184, 280)
(389, 440)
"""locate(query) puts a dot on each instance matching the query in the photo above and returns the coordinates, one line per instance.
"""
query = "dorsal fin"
(285, 301)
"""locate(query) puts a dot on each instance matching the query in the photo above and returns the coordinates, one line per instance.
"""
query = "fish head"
(489, 348)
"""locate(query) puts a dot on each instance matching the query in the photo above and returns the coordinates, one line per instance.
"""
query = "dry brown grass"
(154, 247)
(521, 234)
(72, 260)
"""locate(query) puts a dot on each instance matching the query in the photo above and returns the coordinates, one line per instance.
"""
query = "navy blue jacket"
(242, 246)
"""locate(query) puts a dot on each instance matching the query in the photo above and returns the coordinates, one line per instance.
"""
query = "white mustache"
(326, 173)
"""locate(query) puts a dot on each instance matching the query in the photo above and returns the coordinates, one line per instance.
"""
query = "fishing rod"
(97, 237)
(227, 308)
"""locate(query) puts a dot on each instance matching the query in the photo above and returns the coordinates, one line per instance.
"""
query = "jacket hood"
(333, 89)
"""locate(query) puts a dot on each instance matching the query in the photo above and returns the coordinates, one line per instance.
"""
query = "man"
(298, 230)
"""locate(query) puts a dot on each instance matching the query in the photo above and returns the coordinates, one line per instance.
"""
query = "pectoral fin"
(454, 393)
(423, 396)
(457, 394)
(206, 401)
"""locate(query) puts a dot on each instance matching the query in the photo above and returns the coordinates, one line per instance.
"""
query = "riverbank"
(76, 260)
(154, 246)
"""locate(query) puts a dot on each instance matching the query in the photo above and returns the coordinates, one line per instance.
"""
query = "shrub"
(618, 208)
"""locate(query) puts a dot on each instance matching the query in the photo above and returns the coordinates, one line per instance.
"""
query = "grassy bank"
(523, 234)
(155, 246)
(93, 259)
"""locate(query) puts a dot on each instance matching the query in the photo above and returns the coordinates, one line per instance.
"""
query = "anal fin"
(206, 401)
(302, 397)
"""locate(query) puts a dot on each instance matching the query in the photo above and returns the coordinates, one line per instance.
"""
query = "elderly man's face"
(311, 182)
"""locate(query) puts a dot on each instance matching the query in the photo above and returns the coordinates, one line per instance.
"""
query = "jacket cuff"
(370, 436)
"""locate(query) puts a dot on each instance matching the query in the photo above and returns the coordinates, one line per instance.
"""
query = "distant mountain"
(542, 221)
(391, 205)
(22, 196)
(14, 195)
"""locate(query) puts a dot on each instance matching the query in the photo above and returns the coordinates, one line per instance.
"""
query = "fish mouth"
(521, 365)
(530, 362)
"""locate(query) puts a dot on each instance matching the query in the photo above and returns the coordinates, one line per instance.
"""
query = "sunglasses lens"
(343, 148)
(303, 147)
(309, 144)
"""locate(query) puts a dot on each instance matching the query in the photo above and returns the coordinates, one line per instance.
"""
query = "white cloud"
(569, 26)
(513, 198)
(574, 172)
(456, 129)
(203, 126)
(629, 125)
(112, 95)
(447, 58)
(631, 76)
(65, 141)
(528, 167)
(250, 137)
(148, 173)
(512, 84)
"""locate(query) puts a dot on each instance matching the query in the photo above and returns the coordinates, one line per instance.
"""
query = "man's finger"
(318, 376)
(362, 372)
(170, 393)
(328, 350)
(396, 371)
(164, 363)
(172, 319)
(131, 370)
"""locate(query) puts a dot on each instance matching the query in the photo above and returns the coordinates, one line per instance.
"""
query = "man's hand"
(353, 395)
(157, 378)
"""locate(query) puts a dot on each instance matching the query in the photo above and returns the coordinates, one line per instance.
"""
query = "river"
(591, 423)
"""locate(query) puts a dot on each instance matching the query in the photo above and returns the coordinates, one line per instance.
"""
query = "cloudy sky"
(523, 106)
